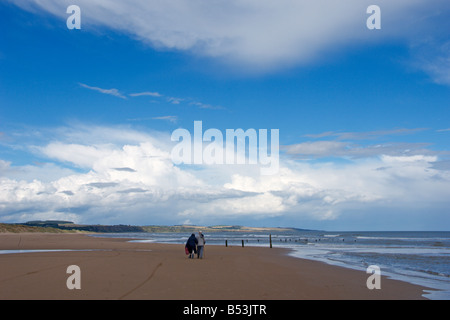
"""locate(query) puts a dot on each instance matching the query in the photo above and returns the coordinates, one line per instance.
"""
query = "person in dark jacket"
(191, 244)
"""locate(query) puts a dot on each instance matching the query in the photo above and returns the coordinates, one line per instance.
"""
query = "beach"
(116, 269)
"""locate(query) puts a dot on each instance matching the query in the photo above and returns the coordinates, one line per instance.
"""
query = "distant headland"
(60, 226)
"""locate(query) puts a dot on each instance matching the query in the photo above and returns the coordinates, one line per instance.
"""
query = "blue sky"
(86, 115)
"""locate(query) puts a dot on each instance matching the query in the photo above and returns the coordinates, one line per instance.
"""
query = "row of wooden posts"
(270, 242)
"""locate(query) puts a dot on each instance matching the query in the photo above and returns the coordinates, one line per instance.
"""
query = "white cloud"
(323, 149)
(172, 119)
(365, 135)
(439, 69)
(409, 159)
(129, 178)
(175, 100)
(260, 205)
(345, 145)
(317, 148)
(79, 155)
(172, 100)
(205, 106)
(433, 56)
(44, 172)
(146, 93)
(112, 92)
(252, 33)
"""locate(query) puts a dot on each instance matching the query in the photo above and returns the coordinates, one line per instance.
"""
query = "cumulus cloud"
(108, 188)
(128, 176)
(254, 33)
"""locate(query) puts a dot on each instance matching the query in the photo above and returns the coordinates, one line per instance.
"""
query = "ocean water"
(421, 258)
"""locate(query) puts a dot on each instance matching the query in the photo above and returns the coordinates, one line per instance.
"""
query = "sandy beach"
(115, 269)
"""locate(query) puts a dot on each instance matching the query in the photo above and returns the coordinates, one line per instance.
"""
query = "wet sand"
(115, 269)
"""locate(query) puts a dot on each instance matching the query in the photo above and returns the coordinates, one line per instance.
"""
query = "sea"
(421, 258)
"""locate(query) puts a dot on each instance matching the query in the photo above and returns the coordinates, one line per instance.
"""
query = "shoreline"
(438, 287)
(113, 268)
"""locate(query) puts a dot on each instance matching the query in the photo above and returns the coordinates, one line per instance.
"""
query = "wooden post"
(226, 243)
(270, 240)
(242, 243)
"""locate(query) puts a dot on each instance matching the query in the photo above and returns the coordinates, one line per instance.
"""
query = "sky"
(363, 115)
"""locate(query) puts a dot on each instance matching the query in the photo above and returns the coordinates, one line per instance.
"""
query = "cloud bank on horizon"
(132, 179)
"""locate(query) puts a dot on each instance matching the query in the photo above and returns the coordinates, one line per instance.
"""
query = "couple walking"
(195, 244)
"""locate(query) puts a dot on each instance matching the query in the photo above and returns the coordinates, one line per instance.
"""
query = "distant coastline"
(58, 226)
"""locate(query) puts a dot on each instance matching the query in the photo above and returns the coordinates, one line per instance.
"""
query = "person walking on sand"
(191, 245)
(200, 245)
